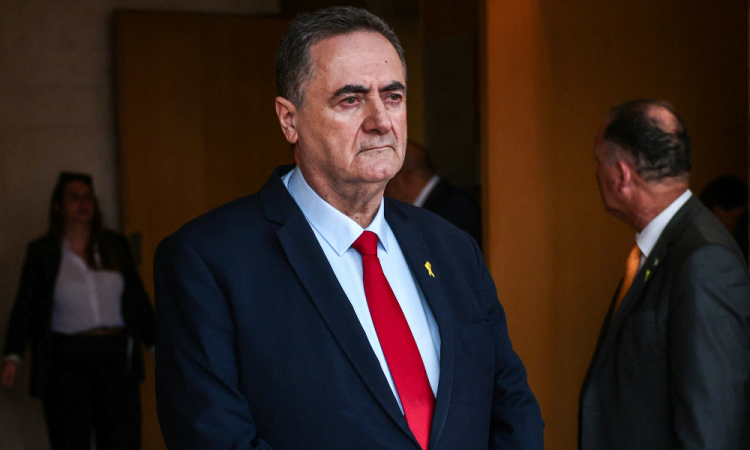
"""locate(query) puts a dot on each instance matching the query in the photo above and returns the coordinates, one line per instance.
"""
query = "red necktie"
(399, 346)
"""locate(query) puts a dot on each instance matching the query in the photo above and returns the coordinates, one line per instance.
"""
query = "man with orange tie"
(317, 315)
(671, 369)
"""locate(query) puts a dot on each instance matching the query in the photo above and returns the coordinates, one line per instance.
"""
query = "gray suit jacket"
(671, 369)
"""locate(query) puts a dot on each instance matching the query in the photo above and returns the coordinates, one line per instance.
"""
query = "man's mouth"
(375, 148)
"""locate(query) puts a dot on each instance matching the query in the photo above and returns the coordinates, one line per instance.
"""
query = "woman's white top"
(85, 298)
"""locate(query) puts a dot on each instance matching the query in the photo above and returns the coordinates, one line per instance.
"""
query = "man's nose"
(378, 120)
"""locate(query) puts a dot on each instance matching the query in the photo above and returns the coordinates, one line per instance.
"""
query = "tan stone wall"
(57, 113)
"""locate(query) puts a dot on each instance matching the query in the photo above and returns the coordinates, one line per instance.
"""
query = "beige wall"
(57, 113)
(552, 69)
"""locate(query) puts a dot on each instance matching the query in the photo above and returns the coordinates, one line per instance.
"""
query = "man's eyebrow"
(393, 86)
(351, 89)
(360, 89)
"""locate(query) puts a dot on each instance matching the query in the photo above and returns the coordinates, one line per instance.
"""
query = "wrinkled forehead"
(366, 50)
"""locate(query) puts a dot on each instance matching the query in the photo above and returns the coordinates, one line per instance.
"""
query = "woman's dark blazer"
(31, 317)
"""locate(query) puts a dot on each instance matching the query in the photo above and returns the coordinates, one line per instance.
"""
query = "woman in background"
(82, 305)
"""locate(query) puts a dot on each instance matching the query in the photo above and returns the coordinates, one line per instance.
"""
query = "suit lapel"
(617, 318)
(52, 259)
(642, 279)
(314, 272)
(416, 253)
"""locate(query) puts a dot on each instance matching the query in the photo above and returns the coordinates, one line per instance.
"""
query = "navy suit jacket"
(259, 347)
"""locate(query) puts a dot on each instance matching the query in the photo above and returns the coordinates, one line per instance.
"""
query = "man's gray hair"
(294, 66)
(658, 148)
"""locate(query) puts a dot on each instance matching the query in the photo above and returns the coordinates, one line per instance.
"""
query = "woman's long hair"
(57, 221)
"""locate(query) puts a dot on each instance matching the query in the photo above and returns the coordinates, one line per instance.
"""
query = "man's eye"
(394, 97)
(350, 100)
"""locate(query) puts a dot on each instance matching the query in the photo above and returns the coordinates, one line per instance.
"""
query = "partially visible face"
(606, 175)
(78, 203)
(352, 127)
(404, 186)
(397, 188)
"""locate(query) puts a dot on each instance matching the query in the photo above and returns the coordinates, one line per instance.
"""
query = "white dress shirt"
(647, 238)
(336, 233)
(84, 298)
(426, 191)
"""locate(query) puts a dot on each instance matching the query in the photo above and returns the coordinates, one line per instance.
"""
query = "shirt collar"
(426, 191)
(338, 230)
(647, 238)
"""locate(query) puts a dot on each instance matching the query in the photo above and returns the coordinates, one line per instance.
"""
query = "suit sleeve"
(709, 350)
(197, 382)
(516, 420)
(21, 324)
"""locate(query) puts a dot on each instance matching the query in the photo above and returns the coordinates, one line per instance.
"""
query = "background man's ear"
(625, 172)
(287, 113)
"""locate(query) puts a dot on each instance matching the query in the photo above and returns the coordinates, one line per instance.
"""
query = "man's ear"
(625, 172)
(287, 113)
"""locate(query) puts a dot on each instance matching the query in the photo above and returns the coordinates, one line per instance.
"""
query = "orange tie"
(631, 267)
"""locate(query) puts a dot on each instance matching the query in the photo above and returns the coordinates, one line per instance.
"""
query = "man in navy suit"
(317, 315)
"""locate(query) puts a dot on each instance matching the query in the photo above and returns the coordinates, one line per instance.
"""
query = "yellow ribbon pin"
(648, 274)
(429, 269)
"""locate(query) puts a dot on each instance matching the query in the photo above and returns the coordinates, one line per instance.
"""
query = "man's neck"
(653, 200)
(359, 202)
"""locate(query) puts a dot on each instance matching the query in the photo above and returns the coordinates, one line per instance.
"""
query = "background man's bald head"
(663, 118)
(651, 136)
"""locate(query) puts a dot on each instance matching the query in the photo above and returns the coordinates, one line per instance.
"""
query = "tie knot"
(366, 244)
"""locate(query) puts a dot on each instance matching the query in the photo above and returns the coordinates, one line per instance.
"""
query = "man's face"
(606, 175)
(351, 129)
(406, 185)
(398, 187)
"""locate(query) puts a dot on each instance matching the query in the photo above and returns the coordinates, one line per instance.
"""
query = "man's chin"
(379, 169)
(380, 177)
